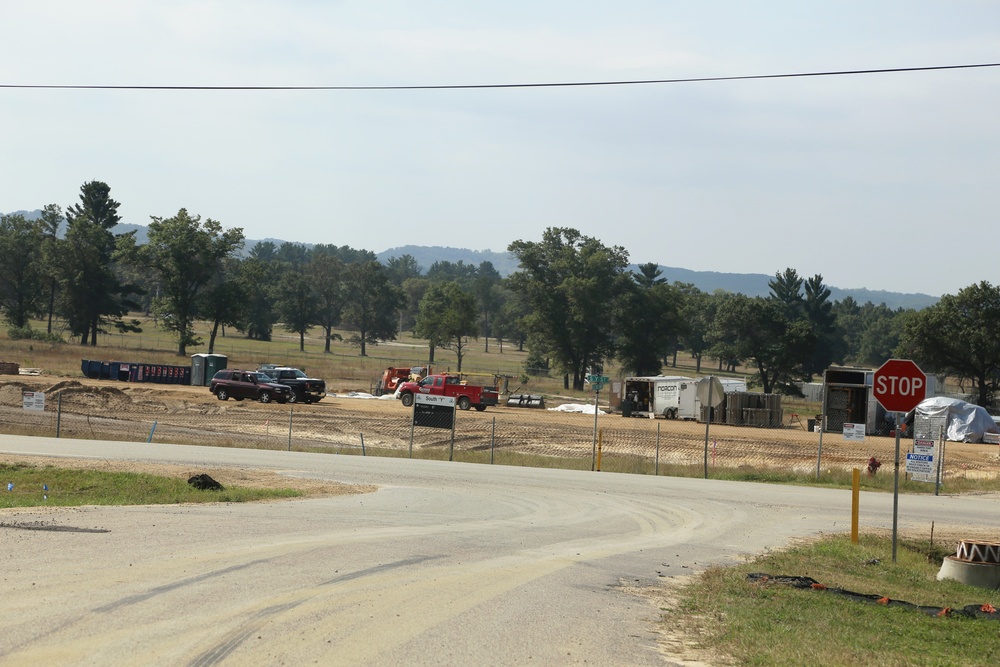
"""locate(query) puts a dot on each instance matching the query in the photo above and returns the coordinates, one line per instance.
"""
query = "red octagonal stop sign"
(899, 385)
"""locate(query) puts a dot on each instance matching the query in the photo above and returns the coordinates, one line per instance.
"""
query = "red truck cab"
(466, 395)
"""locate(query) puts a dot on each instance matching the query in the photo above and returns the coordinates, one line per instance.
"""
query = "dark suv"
(305, 389)
(238, 384)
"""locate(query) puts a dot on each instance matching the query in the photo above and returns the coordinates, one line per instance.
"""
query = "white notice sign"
(922, 464)
(854, 431)
(33, 400)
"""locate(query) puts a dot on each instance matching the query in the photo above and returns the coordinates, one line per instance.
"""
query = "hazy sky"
(885, 181)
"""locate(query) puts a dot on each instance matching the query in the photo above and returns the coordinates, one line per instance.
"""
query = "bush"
(27, 333)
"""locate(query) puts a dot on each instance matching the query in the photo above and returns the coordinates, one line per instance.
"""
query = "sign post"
(597, 383)
(899, 386)
(710, 393)
(434, 412)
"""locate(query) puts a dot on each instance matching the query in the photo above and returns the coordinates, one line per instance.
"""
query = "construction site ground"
(790, 446)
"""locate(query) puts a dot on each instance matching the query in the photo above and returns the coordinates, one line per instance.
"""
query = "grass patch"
(48, 485)
(775, 624)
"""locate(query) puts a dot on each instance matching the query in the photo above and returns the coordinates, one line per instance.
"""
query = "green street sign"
(598, 379)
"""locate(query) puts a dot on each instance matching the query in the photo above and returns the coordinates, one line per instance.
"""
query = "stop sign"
(899, 385)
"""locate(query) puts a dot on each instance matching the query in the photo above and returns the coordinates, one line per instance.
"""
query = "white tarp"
(964, 421)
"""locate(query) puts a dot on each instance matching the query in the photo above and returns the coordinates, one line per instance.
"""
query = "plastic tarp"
(964, 421)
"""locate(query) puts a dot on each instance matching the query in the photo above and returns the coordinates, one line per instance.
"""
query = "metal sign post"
(597, 383)
(710, 393)
(899, 385)
(434, 412)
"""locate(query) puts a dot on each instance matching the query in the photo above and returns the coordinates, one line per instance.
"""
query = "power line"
(563, 84)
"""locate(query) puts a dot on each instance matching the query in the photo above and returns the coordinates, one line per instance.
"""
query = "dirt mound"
(10, 393)
(65, 384)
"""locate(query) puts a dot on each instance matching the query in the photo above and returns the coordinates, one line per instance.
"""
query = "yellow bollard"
(600, 438)
(855, 495)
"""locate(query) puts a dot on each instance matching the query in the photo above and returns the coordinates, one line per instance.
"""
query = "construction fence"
(608, 443)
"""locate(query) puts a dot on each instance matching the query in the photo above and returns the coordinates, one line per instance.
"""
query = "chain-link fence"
(502, 436)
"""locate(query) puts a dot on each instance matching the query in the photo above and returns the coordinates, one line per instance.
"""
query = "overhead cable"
(464, 86)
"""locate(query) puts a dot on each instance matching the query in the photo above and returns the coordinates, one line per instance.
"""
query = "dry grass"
(343, 368)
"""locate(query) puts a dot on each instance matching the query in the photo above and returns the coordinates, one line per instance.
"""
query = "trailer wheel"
(464, 403)
(407, 399)
(480, 408)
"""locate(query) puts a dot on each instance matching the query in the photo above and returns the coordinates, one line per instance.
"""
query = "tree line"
(573, 303)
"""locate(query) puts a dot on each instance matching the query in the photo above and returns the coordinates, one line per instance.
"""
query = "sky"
(882, 181)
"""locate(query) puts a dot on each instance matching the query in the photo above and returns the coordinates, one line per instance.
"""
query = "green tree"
(371, 304)
(401, 269)
(697, 312)
(50, 222)
(186, 254)
(831, 345)
(786, 289)
(648, 313)
(21, 280)
(293, 255)
(345, 254)
(957, 336)
(460, 272)
(298, 304)
(882, 331)
(413, 291)
(509, 323)
(221, 302)
(758, 329)
(326, 273)
(258, 279)
(570, 282)
(489, 297)
(447, 318)
(92, 291)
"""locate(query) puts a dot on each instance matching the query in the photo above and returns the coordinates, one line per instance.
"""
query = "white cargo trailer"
(670, 396)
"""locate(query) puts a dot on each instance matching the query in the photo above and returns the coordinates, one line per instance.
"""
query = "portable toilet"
(213, 364)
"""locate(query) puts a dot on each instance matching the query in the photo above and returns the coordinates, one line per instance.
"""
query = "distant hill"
(751, 284)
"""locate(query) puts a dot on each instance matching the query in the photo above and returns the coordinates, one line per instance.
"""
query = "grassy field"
(26, 485)
(736, 621)
(343, 368)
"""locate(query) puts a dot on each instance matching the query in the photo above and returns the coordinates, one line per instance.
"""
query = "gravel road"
(443, 564)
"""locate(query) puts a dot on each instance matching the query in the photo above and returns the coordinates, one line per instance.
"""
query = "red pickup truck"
(466, 395)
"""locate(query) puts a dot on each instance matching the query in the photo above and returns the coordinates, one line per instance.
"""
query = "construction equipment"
(525, 401)
(392, 377)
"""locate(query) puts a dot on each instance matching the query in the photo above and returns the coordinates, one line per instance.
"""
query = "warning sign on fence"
(33, 400)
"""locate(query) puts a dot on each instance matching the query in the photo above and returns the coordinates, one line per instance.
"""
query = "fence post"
(58, 414)
(362, 444)
(600, 444)
(291, 411)
(493, 440)
(656, 465)
(151, 432)
(940, 470)
(451, 450)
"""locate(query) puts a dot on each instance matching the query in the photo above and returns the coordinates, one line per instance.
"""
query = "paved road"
(446, 564)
